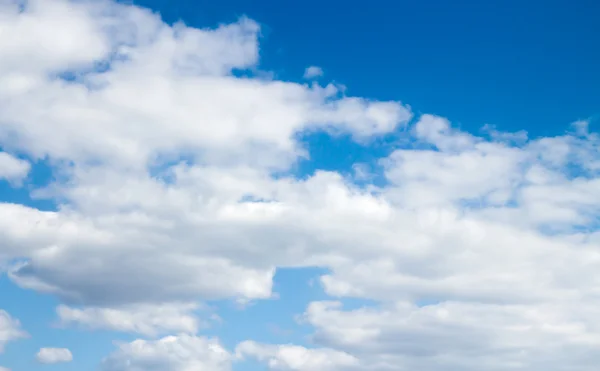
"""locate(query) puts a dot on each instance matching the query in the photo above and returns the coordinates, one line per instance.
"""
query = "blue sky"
(366, 179)
(507, 63)
(510, 64)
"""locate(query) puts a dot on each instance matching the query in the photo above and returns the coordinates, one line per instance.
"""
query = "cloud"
(185, 101)
(495, 337)
(141, 319)
(173, 353)
(172, 178)
(110, 131)
(582, 127)
(54, 355)
(10, 329)
(313, 72)
(296, 358)
(13, 169)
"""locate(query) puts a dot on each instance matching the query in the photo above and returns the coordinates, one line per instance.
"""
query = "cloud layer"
(173, 185)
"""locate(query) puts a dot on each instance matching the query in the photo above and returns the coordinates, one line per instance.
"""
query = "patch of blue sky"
(278, 320)
(40, 176)
(38, 318)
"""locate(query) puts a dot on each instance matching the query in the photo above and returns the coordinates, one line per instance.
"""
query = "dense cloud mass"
(172, 185)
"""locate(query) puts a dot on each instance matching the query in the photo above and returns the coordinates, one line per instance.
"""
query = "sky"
(299, 186)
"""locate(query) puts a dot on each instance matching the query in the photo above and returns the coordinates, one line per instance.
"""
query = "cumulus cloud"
(173, 184)
(12, 168)
(168, 90)
(149, 320)
(405, 336)
(296, 358)
(173, 353)
(10, 329)
(54, 355)
(313, 72)
(119, 129)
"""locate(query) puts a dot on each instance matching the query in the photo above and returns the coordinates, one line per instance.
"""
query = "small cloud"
(10, 330)
(520, 136)
(362, 172)
(12, 168)
(313, 72)
(581, 127)
(54, 355)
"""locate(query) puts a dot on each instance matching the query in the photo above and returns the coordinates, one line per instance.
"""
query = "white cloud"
(169, 91)
(54, 355)
(4, 369)
(165, 153)
(138, 115)
(462, 335)
(149, 320)
(173, 353)
(10, 329)
(12, 168)
(312, 72)
(296, 358)
(582, 127)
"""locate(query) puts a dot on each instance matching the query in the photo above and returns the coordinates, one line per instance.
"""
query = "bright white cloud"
(167, 195)
(54, 355)
(296, 358)
(149, 320)
(139, 115)
(312, 72)
(10, 329)
(169, 91)
(12, 168)
(173, 353)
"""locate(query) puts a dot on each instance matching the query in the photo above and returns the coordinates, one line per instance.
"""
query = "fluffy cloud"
(296, 358)
(142, 319)
(461, 335)
(10, 329)
(113, 131)
(312, 72)
(172, 179)
(54, 355)
(12, 168)
(173, 353)
(183, 101)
